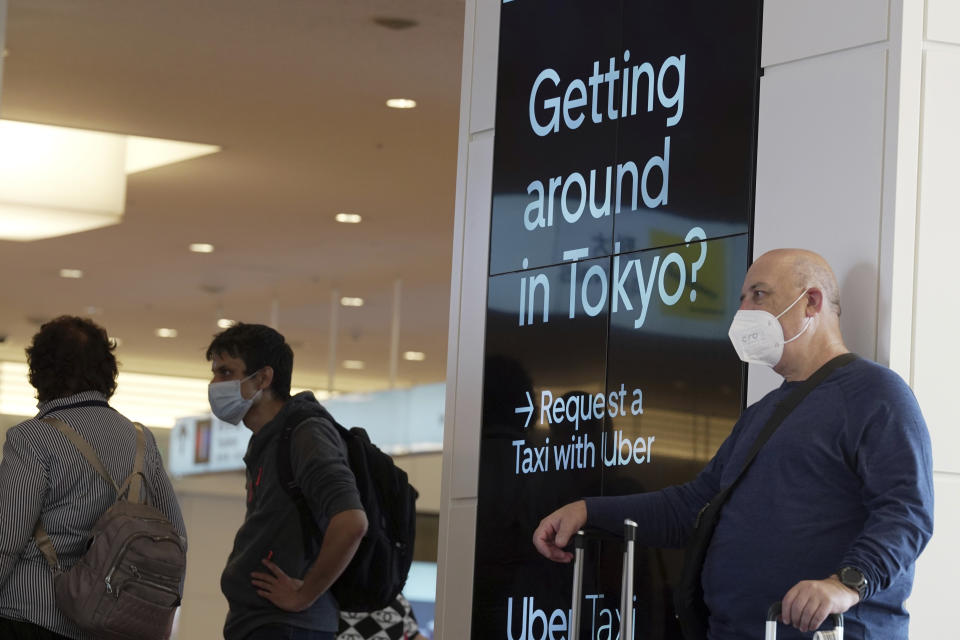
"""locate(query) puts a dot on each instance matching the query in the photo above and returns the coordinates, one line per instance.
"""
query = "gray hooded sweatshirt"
(272, 524)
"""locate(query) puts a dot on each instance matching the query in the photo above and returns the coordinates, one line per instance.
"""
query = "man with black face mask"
(277, 580)
(835, 508)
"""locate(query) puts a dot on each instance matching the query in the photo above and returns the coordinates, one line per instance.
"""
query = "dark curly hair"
(258, 346)
(69, 355)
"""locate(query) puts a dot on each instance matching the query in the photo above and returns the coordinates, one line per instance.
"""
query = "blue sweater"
(845, 480)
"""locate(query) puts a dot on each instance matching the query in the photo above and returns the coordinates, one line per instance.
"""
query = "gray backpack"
(127, 585)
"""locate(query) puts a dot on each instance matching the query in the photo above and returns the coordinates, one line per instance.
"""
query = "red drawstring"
(255, 484)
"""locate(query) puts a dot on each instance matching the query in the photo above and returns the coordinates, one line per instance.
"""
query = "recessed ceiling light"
(116, 341)
(351, 302)
(416, 356)
(201, 247)
(353, 364)
(71, 273)
(225, 323)
(349, 218)
(164, 332)
(401, 103)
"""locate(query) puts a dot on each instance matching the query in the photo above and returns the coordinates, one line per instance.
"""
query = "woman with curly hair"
(45, 479)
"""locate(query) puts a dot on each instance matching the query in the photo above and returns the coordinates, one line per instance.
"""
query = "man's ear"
(814, 301)
(265, 377)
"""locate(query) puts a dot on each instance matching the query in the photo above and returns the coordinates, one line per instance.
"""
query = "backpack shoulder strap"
(780, 413)
(46, 547)
(81, 445)
(84, 448)
(132, 485)
(308, 526)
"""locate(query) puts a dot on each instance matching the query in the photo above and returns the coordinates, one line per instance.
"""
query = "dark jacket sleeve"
(665, 518)
(319, 461)
(892, 457)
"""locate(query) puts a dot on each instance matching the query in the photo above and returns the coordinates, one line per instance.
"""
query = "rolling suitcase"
(626, 582)
(773, 615)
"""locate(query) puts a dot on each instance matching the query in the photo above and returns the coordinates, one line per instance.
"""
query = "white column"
(332, 341)
(936, 306)
(468, 294)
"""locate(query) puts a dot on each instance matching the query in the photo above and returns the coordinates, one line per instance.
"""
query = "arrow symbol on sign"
(528, 409)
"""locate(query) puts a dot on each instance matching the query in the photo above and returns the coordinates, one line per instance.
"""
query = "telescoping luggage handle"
(626, 581)
(773, 614)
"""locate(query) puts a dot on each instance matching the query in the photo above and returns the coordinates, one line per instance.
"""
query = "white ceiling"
(294, 92)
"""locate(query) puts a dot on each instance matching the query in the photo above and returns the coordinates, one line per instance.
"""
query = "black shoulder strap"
(284, 464)
(782, 410)
(308, 525)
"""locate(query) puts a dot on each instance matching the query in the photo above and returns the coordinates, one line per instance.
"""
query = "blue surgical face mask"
(227, 401)
(757, 335)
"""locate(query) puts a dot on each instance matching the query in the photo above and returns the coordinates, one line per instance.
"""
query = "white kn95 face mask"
(227, 401)
(757, 335)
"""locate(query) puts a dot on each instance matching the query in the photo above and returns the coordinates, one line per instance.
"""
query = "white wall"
(820, 154)
(213, 507)
(857, 159)
(936, 350)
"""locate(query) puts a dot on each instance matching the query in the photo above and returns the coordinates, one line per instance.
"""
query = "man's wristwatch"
(853, 578)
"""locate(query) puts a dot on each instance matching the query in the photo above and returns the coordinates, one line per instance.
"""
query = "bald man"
(838, 504)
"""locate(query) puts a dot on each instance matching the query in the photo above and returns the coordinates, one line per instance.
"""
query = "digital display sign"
(624, 165)
(618, 120)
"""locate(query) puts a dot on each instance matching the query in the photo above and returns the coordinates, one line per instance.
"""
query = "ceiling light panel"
(149, 153)
(56, 180)
(351, 302)
(226, 323)
(414, 356)
(201, 247)
(348, 218)
(164, 332)
(401, 103)
(353, 364)
(71, 273)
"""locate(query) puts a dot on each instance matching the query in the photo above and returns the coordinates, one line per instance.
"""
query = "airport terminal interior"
(303, 201)
(507, 238)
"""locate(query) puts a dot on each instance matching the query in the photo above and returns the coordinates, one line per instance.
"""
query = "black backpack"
(380, 566)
